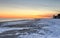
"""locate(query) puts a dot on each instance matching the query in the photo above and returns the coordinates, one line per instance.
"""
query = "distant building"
(57, 17)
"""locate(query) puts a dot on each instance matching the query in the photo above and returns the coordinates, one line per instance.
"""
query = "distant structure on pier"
(57, 16)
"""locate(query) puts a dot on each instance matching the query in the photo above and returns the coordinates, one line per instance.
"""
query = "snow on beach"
(43, 28)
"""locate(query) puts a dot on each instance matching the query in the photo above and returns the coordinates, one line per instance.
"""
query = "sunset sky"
(28, 8)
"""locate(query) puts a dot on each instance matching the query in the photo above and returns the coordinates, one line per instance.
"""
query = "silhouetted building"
(57, 17)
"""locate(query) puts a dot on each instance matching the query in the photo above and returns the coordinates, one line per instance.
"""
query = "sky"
(29, 8)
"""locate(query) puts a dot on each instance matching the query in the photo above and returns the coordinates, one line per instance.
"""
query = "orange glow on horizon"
(25, 13)
(25, 16)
